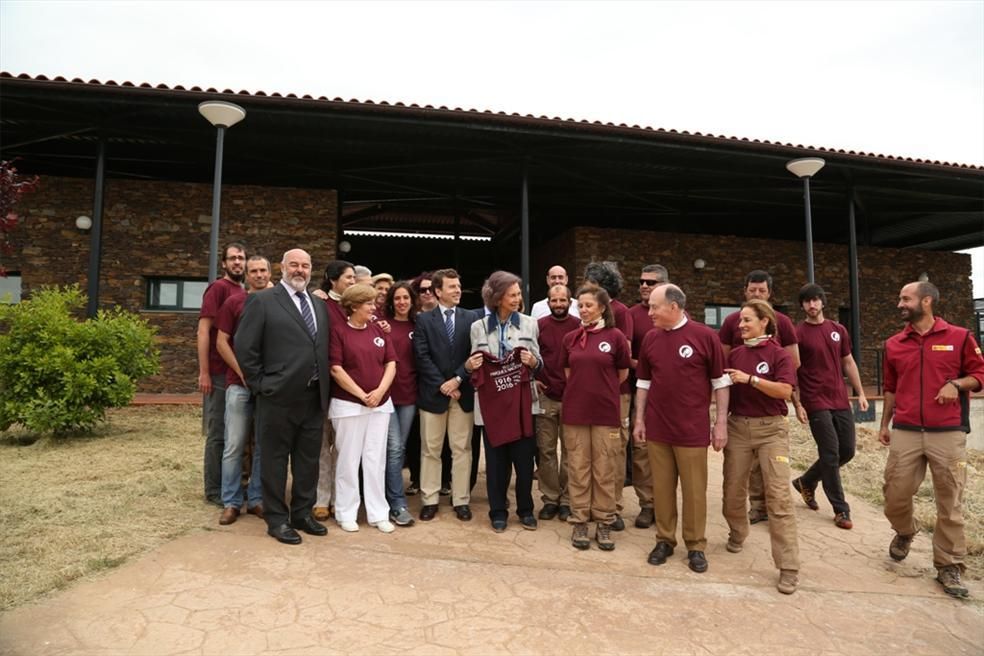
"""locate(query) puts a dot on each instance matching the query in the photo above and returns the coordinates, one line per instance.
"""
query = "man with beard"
(556, 275)
(550, 381)
(282, 349)
(651, 277)
(821, 401)
(212, 369)
(758, 285)
(930, 369)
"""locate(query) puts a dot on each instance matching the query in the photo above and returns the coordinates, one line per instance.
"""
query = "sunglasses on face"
(426, 290)
(648, 283)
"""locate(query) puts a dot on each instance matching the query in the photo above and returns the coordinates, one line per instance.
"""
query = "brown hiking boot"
(645, 519)
(321, 513)
(949, 578)
(757, 515)
(603, 535)
(843, 520)
(808, 493)
(788, 580)
(579, 538)
(899, 548)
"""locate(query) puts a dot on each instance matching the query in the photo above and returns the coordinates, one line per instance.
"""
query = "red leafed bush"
(13, 187)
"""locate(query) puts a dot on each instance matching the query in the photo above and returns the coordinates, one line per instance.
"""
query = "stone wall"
(162, 229)
(882, 272)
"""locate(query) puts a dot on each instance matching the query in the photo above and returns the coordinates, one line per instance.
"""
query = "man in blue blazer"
(445, 397)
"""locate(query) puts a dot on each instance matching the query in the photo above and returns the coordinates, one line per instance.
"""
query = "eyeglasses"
(649, 283)
(426, 290)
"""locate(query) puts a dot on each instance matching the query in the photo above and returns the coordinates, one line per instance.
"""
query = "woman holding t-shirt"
(596, 361)
(763, 374)
(401, 309)
(363, 365)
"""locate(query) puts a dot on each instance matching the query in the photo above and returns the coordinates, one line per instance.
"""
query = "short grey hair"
(675, 295)
(361, 271)
(658, 269)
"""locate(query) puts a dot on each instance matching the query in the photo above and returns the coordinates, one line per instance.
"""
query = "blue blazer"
(437, 360)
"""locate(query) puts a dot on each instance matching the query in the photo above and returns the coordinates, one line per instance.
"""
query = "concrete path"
(450, 587)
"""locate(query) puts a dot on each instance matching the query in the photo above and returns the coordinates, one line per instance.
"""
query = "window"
(10, 288)
(175, 293)
(714, 315)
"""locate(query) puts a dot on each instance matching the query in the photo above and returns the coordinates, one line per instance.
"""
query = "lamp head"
(805, 167)
(220, 113)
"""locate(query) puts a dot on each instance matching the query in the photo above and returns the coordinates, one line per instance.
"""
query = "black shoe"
(618, 524)
(310, 525)
(499, 525)
(564, 513)
(660, 553)
(428, 513)
(284, 533)
(549, 511)
(463, 512)
(528, 522)
(696, 561)
(645, 519)
(445, 491)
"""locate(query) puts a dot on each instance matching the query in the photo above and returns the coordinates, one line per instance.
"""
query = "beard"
(297, 283)
(236, 277)
(912, 315)
(558, 313)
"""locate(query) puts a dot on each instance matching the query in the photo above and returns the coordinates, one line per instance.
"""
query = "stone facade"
(882, 273)
(162, 229)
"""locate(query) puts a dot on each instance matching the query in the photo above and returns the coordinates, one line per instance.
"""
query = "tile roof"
(530, 119)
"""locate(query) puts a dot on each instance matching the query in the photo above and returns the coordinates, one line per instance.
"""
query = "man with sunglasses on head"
(652, 276)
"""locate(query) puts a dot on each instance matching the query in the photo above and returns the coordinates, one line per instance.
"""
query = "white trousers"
(361, 440)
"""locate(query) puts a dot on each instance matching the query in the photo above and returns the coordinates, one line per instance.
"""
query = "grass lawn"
(864, 475)
(74, 507)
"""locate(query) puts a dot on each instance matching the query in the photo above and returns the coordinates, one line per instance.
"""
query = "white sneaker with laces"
(351, 527)
(385, 526)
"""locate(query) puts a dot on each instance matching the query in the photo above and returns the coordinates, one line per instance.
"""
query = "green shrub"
(59, 374)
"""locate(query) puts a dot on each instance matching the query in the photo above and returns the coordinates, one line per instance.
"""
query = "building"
(410, 188)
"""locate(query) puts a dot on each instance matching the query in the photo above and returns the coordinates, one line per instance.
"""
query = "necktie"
(449, 325)
(307, 316)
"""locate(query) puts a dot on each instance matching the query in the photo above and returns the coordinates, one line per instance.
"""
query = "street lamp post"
(806, 168)
(222, 115)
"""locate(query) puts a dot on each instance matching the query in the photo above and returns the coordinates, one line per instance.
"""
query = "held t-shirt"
(363, 354)
(504, 394)
(822, 349)
(591, 397)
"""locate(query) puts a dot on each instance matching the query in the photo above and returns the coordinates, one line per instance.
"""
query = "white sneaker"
(385, 526)
(351, 527)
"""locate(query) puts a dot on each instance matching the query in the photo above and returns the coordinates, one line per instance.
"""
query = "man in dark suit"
(445, 396)
(282, 349)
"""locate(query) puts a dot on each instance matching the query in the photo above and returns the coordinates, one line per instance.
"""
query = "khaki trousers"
(326, 466)
(642, 476)
(458, 425)
(591, 478)
(764, 440)
(946, 454)
(552, 473)
(669, 463)
(756, 488)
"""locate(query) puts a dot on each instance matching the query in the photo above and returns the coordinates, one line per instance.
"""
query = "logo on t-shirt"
(411, 335)
(762, 368)
(604, 347)
(836, 336)
(686, 351)
(379, 342)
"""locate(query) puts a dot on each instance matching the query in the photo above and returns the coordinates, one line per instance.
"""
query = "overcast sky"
(900, 78)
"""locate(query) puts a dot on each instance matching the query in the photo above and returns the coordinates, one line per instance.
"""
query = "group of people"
(585, 395)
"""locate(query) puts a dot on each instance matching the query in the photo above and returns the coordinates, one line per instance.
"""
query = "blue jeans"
(239, 407)
(396, 444)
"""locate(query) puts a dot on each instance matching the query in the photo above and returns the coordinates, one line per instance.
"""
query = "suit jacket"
(437, 361)
(275, 350)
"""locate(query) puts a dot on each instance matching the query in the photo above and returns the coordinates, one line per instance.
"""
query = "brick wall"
(162, 229)
(882, 273)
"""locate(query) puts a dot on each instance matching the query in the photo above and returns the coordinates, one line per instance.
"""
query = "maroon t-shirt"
(363, 355)
(404, 388)
(591, 396)
(822, 347)
(731, 336)
(551, 343)
(503, 388)
(336, 314)
(680, 365)
(768, 361)
(227, 322)
(623, 321)
(213, 298)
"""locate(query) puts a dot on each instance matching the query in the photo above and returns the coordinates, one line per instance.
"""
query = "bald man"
(556, 275)
(282, 349)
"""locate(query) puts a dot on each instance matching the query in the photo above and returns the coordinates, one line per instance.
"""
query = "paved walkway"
(449, 587)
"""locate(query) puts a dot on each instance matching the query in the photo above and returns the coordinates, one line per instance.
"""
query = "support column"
(95, 236)
(213, 248)
(809, 230)
(855, 284)
(524, 240)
